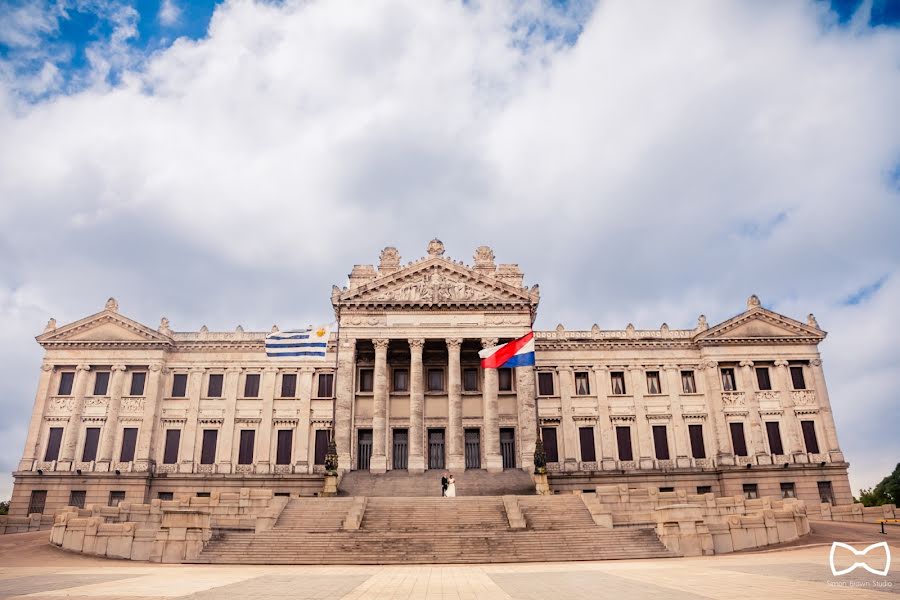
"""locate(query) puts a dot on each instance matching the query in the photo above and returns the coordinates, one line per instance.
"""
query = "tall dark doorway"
(435, 448)
(363, 449)
(508, 447)
(401, 449)
(473, 448)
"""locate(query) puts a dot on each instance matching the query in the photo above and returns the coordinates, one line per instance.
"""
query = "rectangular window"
(166, 496)
(623, 439)
(283, 449)
(66, 379)
(751, 491)
(101, 383)
(91, 438)
(37, 502)
(545, 383)
(366, 380)
(326, 385)
(825, 492)
(245, 448)
(788, 490)
(762, 378)
(618, 382)
(704, 489)
(728, 383)
(773, 432)
(76, 498)
(288, 385)
(251, 385)
(797, 378)
(661, 442)
(470, 380)
(208, 447)
(667, 489)
(809, 436)
(688, 385)
(698, 448)
(115, 497)
(54, 440)
(129, 441)
(322, 436)
(401, 380)
(582, 384)
(138, 379)
(588, 450)
(179, 385)
(505, 380)
(170, 453)
(653, 385)
(551, 450)
(435, 380)
(214, 389)
(737, 439)
(203, 494)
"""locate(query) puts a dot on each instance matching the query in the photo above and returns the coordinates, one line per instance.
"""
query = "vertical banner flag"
(517, 353)
(298, 343)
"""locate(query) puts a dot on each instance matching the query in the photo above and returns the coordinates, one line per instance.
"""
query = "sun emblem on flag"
(320, 332)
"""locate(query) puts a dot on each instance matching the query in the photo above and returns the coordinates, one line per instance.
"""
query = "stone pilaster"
(834, 449)
(343, 402)
(492, 458)
(416, 458)
(645, 447)
(305, 381)
(607, 458)
(37, 418)
(723, 452)
(226, 439)
(73, 429)
(526, 399)
(456, 460)
(188, 448)
(264, 445)
(757, 443)
(150, 425)
(105, 454)
(791, 430)
(679, 428)
(569, 454)
(378, 463)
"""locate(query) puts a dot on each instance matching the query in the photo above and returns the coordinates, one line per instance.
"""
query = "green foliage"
(4, 507)
(886, 492)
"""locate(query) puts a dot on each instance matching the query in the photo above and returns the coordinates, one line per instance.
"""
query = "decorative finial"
(484, 259)
(629, 331)
(164, 326)
(811, 321)
(204, 329)
(389, 260)
(239, 329)
(560, 328)
(112, 305)
(702, 325)
(752, 302)
(274, 328)
(51, 325)
(595, 330)
(435, 247)
(664, 329)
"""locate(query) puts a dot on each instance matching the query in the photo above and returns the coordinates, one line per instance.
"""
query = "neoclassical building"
(124, 411)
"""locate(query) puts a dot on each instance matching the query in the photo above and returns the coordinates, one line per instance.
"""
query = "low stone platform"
(396, 484)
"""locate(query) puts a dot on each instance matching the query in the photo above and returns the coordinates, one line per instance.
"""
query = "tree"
(4, 507)
(886, 492)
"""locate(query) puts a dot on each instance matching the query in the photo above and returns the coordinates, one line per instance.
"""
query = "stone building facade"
(127, 412)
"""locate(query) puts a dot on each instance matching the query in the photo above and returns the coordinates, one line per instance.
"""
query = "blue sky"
(644, 162)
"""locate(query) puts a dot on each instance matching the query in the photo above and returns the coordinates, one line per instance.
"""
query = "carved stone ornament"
(381, 344)
(434, 287)
(416, 343)
(435, 247)
(51, 325)
(816, 362)
(239, 329)
(753, 302)
(389, 260)
(164, 326)
(811, 321)
(112, 305)
(702, 325)
(484, 257)
(274, 328)
(454, 343)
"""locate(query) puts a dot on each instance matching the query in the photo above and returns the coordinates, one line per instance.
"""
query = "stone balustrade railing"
(33, 522)
(857, 513)
(163, 531)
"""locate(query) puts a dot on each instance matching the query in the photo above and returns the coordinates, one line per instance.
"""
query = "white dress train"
(451, 489)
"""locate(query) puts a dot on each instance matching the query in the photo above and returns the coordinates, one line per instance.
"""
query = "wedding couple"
(448, 485)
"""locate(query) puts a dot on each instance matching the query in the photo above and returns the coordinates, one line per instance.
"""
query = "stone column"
(607, 460)
(106, 450)
(492, 458)
(343, 402)
(527, 413)
(679, 428)
(791, 424)
(645, 447)
(416, 459)
(456, 460)
(226, 439)
(73, 429)
(757, 446)
(264, 445)
(37, 418)
(834, 450)
(302, 463)
(566, 378)
(378, 463)
(188, 447)
(150, 425)
(723, 452)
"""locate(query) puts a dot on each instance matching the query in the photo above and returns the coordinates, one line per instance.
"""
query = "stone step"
(473, 482)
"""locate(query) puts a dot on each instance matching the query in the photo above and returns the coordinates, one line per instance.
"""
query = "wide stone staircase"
(401, 484)
(408, 530)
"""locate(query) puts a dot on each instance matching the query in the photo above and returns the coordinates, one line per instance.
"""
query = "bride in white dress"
(451, 487)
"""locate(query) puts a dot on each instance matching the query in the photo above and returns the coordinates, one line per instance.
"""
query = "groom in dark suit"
(444, 484)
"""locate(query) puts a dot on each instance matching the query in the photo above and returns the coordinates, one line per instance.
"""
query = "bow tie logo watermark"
(877, 558)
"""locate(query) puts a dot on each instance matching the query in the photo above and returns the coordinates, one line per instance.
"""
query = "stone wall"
(163, 531)
(33, 522)
(858, 513)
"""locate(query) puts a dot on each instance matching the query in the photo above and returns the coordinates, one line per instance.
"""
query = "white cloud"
(671, 162)
(169, 13)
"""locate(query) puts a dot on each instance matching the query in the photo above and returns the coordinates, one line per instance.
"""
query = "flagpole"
(331, 458)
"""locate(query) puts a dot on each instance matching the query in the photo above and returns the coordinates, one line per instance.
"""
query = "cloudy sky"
(644, 161)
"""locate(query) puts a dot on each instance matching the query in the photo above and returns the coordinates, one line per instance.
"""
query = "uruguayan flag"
(298, 343)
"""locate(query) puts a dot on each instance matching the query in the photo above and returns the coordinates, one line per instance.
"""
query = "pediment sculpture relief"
(434, 287)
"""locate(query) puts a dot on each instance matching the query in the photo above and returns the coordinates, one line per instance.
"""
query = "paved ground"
(30, 568)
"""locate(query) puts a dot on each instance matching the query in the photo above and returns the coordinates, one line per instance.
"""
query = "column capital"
(381, 344)
(83, 368)
(564, 368)
(488, 342)
(599, 368)
(267, 369)
(635, 368)
(117, 368)
(197, 369)
(46, 367)
(304, 370)
(454, 343)
(669, 367)
(233, 370)
(781, 363)
(816, 362)
(709, 364)
(746, 363)
(416, 343)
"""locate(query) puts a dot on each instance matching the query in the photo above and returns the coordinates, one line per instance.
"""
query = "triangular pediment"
(437, 281)
(760, 324)
(104, 327)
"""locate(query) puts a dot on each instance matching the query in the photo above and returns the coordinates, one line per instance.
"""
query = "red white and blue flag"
(517, 353)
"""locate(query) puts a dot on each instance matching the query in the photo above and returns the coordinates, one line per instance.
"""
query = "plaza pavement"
(31, 568)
